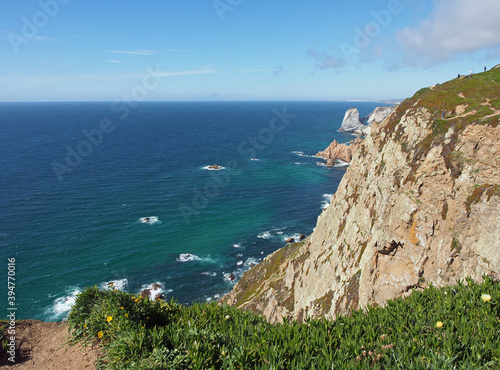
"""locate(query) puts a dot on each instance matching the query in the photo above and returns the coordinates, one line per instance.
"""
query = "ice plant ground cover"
(452, 327)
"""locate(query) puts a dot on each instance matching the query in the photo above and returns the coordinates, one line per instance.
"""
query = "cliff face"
(420, 203)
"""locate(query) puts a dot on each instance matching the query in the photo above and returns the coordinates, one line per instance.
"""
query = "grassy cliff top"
(449, 109)
(452, 327)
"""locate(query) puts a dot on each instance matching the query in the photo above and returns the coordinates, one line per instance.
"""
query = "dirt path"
(40, 345)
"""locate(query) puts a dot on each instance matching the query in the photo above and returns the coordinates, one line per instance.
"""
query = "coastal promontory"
(419, 205)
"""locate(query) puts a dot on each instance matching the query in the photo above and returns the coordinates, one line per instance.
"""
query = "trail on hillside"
(41, 345)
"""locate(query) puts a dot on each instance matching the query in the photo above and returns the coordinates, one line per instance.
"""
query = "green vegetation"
(465, 101)
(453, 327)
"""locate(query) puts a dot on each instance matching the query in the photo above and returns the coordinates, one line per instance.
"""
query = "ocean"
(98, 192)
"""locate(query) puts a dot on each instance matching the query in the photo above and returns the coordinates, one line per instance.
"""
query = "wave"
(215, 297)
(115, 284)
(295, 237)
(209, 273)
(234, 276)
(237, 245)
(187, 257)
(149, 220)
(302, 154)
(62, 306)
(340, 163)
(326, 200)
(254, 159)
(264, 235)
(155, 289)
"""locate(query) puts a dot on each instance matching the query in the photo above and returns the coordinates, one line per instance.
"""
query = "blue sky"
(60, 50)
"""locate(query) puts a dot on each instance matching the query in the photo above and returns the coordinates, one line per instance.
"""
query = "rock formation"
(343, 152)
(353, 123)
(419, 204)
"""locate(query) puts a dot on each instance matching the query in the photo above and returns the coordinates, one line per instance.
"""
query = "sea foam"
(149, 220)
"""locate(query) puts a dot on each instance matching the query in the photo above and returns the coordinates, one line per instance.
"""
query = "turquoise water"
(77, 178)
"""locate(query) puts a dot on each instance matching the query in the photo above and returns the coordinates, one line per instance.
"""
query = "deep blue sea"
(77, 181)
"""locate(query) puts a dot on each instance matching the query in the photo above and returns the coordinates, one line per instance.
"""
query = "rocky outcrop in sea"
(342, 152)
(353, 123)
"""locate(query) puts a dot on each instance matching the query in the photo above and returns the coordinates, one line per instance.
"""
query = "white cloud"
(325, 60)
(455, 27)
(200, 71)
(134, 52)
(44, 38)
(114, 61)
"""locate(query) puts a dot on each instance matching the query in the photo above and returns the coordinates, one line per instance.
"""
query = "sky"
(219, 50)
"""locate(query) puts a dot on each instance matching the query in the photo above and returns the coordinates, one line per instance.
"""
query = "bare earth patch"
(41, 345)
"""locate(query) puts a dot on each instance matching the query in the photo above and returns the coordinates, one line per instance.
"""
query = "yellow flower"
(147, 318)
(100, 334)
(109, 318)
(439, 324)
(122, 308)
(85, 325)
(126, 315)
(486, 297)
(133, 297)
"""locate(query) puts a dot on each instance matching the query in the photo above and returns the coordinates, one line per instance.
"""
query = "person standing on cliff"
(442, 113)
(485, 68)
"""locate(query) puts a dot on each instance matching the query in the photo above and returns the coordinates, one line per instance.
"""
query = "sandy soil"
(41, 345)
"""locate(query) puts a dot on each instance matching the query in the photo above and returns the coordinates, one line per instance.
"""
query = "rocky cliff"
(420, 203)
